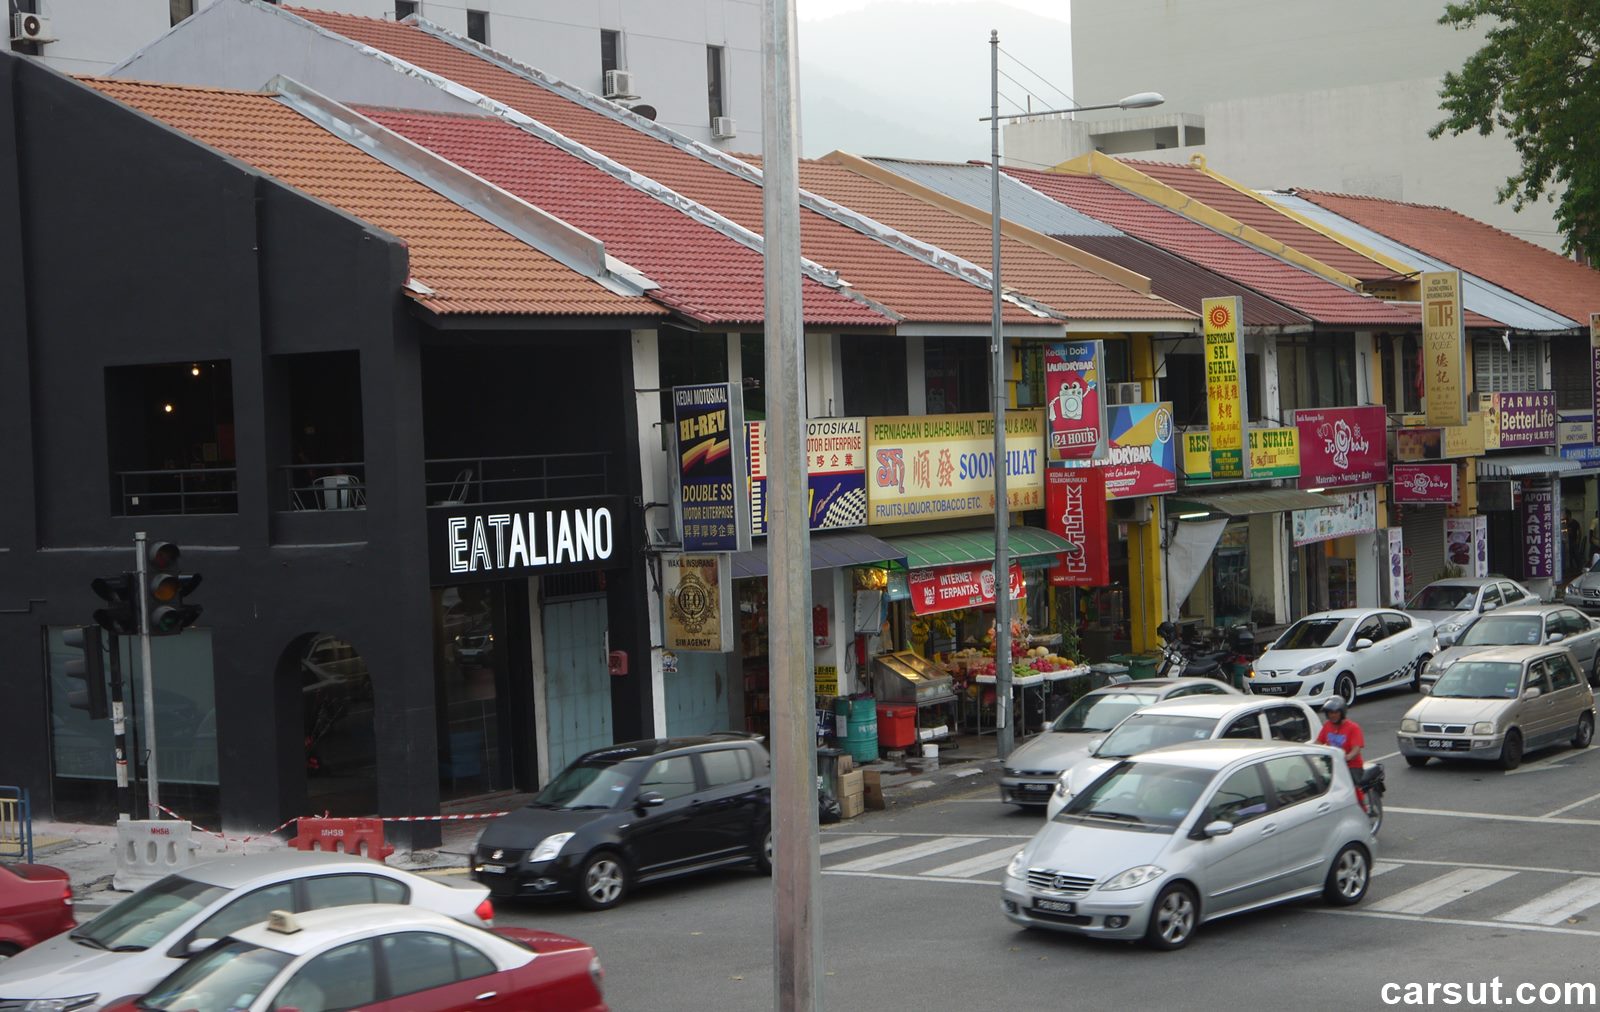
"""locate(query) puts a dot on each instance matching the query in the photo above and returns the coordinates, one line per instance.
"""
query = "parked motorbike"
(1372, 790)
(1195, 661)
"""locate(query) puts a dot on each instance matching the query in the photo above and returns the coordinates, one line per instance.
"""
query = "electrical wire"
(1052, 85)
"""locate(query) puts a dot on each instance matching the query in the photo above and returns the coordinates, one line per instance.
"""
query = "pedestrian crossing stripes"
(1527, 898)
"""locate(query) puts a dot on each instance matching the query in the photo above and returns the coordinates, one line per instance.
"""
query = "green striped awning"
(956, 548)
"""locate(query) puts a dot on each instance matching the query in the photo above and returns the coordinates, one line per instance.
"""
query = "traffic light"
(88, 668)
(166, 589)
(120, 616)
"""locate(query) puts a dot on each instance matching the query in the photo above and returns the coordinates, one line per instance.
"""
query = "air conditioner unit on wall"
(1130, 510)
(30, 28)
(619, 84)
(723, 127)
(1127, 393)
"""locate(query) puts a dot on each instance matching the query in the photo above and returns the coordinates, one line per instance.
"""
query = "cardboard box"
(872, 793)
(851, 784)
(846, 763)
(851, 806)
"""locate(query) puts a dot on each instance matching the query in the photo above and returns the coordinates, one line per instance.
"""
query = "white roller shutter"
(1423, 528)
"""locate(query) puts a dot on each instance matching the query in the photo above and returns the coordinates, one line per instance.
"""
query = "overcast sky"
(810, 10)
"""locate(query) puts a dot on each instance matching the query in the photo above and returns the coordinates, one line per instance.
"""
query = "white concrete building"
(1289, 93)
(694, 61)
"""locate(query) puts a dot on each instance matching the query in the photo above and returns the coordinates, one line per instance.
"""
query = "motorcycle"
(1177, 660)
(1372, 789)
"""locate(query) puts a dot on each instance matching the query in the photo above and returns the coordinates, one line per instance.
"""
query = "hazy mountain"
(911, 79)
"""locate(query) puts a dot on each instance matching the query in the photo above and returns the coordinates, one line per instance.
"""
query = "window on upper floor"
(405, 8)
(316, 399)
(178, 10)
(478, 26)
(1316, 371)
(1570, 374)
(1402, 373)
(610, 51)
(716, 98)
(1499, 369)
(169, 432)
(1031, 393)
(1184, 384)
(957, 374)
(874, 371)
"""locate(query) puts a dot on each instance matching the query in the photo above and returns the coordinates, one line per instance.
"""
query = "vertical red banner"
(1075, 508)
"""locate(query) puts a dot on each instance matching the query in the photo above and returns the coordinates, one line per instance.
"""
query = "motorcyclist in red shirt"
(1342, 733)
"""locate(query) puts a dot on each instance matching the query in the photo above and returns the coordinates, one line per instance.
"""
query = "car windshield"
(1144, 731)
(1502, 631)
(149, 915)
(1139, 795)
(225, 978)
(1471, 679)
(1100, 711)
(1311, 633)
(1444, 598)
(585, 785)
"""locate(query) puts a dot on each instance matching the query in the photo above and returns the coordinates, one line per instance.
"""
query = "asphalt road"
(1480, 874)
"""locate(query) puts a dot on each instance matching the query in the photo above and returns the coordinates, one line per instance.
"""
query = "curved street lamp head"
(1143, 100)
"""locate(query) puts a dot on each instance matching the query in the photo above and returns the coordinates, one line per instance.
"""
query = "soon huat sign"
(503, 541)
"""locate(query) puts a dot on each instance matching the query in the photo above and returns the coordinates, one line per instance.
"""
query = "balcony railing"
(180, 492)
(454, 480)
(338, 485)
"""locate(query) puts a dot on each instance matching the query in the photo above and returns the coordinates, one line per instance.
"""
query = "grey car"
(1498, 704)
(1451, 604)
(1523, 625)
(1169, 839)
(1584, 592)
(1030, 773)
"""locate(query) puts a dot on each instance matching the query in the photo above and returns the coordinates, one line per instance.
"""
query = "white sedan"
(137, 942)
(1345, 653)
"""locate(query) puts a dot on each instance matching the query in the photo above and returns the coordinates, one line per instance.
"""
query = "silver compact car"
(1170, 839)
(1499, 703)
(1029, 775)
(1523, 625)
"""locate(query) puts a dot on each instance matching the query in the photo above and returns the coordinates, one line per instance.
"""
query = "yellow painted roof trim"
(1131, 179)
(1010, 229)
(1401, 270)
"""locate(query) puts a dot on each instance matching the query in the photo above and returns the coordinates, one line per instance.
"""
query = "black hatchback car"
(633, 813)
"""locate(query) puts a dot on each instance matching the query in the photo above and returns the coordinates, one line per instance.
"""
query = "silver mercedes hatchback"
(1167, 840)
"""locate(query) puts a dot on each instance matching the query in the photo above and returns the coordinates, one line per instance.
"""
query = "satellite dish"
(647, 111)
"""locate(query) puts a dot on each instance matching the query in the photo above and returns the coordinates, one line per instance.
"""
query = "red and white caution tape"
(241, 840)
(443, 818)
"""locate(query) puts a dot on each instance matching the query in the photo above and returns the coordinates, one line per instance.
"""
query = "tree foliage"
(1536, 79)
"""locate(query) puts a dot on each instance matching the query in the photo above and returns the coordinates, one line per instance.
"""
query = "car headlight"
(549, 847)
(1014, 869)
(60, 1004)
(1315, 669)
(1483, 727)
(1409, 725)
(1134, 877)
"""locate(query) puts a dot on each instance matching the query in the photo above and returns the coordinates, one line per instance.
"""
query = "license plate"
(492, 869)
(1035, 788)
(1270, 690)
(1444, 744)
(1055, 906)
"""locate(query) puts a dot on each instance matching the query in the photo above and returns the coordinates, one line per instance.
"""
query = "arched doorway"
(340, 758)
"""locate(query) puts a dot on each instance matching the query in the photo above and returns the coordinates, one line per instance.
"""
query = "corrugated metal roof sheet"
(470, 265)
(1480, 296)
(1533, 272)
(1177, 280)
(1322, 300)
(1020, 202)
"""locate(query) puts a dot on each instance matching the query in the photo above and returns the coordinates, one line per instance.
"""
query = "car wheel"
(1416, 761)
(1585, 733)
(7, 950)
(1348, 878)
(1594, 675)
(1416, 676)
(602, 881)
(1345, 688)
(764, 855)
(1511, 751)
(1173, 918)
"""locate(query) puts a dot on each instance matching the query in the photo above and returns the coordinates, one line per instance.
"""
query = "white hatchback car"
(134, 944)
(1346, 653)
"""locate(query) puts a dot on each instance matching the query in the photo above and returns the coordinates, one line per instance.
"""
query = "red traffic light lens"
(164, 556)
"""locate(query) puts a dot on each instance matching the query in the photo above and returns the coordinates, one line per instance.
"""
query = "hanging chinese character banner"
(933, 467)
(1539, 530)
(1444, 381)
(1075, 508)
(1343, 446)
(707, 435)
(836, 460)
(1074, 383)
(1225, 386)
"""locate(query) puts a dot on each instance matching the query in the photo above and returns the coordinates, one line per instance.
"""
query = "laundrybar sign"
(502, 541)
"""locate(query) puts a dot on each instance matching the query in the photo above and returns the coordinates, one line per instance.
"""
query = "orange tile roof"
(1070, 288)
(1533, 272)
(919, 292)
(471, 265)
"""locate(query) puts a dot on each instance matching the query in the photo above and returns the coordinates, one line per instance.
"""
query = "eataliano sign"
(500, 541)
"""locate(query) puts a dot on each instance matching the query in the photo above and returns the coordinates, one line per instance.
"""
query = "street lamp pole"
(1004, 732)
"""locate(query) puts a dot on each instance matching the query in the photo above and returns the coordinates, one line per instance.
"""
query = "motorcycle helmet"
(1333, 706)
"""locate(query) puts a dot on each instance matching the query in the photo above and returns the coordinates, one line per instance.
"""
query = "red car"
(380, 959)
(35, 904)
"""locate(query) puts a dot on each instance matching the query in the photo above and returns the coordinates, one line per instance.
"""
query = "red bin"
(897, 725)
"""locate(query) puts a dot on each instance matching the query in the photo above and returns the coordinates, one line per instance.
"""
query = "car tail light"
(485, 912)
(597, 974)
(66, 894)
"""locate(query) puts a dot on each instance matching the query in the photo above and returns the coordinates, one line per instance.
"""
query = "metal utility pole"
(119, 729)
(152, 784)
(1004, 736)
(796, 873)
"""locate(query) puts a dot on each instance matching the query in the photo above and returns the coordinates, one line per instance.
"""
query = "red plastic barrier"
(348, 836)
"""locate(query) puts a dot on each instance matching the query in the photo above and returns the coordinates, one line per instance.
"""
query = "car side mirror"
(1489, 606)
(1094, 744)
(1531, 692)
(650, 799)
(197, 946)
(1556, 637)
(1447, 640)
(1216, 827)
(1361, 644)
(1426, 689)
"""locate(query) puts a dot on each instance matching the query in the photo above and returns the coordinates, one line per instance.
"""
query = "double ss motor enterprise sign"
(502, 541)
